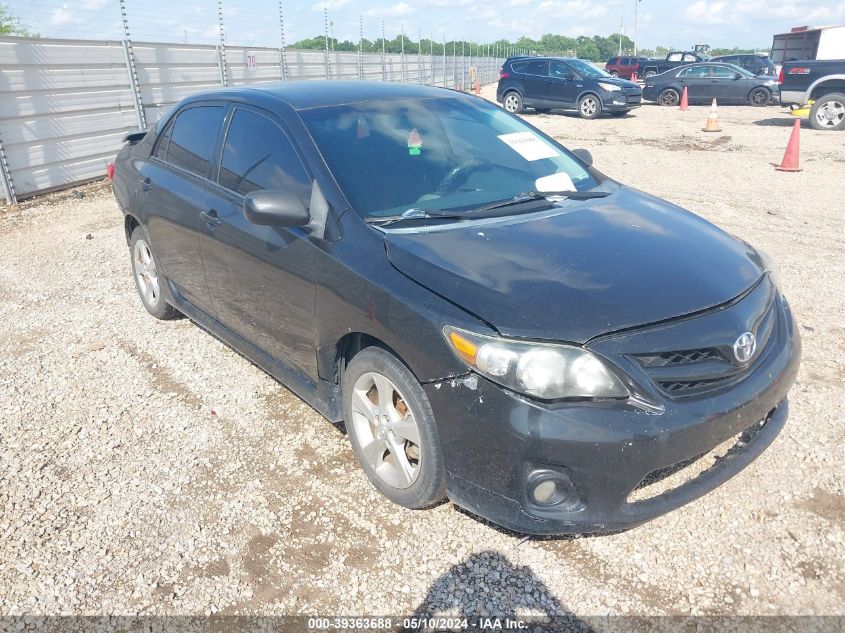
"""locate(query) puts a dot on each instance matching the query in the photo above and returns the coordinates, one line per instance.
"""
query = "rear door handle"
(211, 219)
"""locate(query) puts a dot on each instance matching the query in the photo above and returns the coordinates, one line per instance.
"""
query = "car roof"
(303, 95)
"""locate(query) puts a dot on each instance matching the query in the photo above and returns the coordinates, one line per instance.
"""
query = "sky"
(670, 23)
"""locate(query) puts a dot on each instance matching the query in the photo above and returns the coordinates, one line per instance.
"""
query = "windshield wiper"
(411, 214)
(533, 196)
(520, 198)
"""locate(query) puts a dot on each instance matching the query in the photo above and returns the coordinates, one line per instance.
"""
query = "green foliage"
(11, 24)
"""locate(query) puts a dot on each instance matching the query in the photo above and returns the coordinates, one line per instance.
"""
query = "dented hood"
(579, 271)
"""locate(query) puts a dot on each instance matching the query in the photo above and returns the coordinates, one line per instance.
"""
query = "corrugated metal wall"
(65, 104)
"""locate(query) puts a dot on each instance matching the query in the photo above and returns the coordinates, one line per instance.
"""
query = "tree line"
(596, 48)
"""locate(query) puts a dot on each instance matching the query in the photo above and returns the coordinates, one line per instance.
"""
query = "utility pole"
(621, 32)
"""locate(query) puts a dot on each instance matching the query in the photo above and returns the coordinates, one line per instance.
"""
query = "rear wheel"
(149, 281)
(759, 97)
(513, 102)
(828, 112)
(392, 430)
(614, 74)
(589, 106)
(669, 97)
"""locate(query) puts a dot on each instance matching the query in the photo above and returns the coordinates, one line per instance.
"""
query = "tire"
(759, 97)
(416, 479)
(589, 106)
(649, 74)
(828, 112)
(669, 98)
(512, 102)
(149, 281)
(614, 74)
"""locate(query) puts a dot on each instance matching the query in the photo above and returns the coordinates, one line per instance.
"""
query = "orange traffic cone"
(477, 87)
(790, 158)
(685, 100)
(634, 76)
(712, 120)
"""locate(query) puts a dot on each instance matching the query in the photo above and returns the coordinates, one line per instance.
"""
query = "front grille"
(695, 372)
(677, 358)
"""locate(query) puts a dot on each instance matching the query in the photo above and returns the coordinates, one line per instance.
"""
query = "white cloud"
(331, 5)
(703, 12)
(397, 10)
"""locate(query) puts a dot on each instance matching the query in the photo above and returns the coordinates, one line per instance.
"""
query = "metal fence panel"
(64, 105)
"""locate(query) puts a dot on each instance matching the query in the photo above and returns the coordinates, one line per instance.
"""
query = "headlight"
(547, 371)
(771, 267)
(609, 87)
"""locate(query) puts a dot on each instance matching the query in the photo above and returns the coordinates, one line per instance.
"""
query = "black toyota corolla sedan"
(492, 319)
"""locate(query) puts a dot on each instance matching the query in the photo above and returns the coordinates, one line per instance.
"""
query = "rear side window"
(194, 137)
(519, 68)
(163, 143)
(536, 68)
(258, 155)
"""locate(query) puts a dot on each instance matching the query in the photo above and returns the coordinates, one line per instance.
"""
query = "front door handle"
(147, 184)
(211, 219)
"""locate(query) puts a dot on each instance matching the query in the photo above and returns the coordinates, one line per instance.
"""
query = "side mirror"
(274, 207)
(737, 76)
(584, 156)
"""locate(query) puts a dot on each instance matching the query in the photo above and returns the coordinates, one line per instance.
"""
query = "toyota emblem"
(745, 346)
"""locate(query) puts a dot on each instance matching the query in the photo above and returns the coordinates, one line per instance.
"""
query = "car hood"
(617, 81)
(580, 270)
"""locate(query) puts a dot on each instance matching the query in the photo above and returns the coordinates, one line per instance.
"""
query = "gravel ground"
(147, 468)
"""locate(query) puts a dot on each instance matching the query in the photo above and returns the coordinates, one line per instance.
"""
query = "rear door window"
(536, 68)
(194, 137)
(258, 155)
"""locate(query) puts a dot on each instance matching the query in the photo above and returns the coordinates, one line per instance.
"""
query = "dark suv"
(549, 83)
(625, 66)
(757, 64)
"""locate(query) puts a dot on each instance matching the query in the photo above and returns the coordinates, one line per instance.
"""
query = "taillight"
(780, 76)
(800, 70)
(503, 74)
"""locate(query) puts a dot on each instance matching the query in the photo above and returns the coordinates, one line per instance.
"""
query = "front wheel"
(513, 102)
(759, 97)
(828, 112)
(669, 97)
(392, 430)
(149, 281)
(614, 74)
(589, 107)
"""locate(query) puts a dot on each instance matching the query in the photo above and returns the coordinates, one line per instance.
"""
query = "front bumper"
(620, 101)
(493, 439)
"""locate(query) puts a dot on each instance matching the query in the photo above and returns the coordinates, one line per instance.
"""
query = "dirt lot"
(147, 468)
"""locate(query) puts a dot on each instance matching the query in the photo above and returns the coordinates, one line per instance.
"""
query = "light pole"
(636, 7)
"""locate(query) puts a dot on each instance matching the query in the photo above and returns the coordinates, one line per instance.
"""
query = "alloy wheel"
(386, 430)
(831, 114)
(146, 273)
(511, 103)
(760, 97)
(589, 106)
(669, 98)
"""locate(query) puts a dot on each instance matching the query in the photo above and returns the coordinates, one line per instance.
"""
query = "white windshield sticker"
(529, 146)
(555, 182)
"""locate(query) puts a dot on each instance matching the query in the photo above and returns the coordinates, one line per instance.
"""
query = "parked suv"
(625, 66)
(757, 64)
(549, 83)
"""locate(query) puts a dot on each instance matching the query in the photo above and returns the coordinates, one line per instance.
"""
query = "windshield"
(439, 154)
(587, 69)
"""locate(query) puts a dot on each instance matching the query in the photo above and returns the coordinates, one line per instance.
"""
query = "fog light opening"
(552, 489)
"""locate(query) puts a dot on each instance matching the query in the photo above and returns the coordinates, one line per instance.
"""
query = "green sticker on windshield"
(414, 143)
